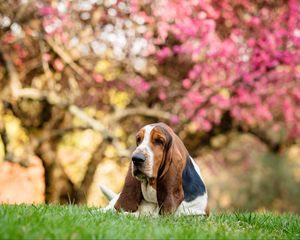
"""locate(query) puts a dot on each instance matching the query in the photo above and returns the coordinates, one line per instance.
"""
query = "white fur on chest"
(149, 193)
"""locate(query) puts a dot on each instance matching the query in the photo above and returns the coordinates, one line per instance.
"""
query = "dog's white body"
(195, 207)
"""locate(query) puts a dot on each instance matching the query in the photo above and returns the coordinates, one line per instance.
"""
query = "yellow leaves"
(102, 66)
(119, 99)
(16, 135)
(119, 132)
(192, 127)
(13, 126)
(109, 174)
(1, 151)
(107, 70)
(74, 162)
(224, 92)
(152, 70)
(75, 151)
(100, 114)
(131, 140)
(112, 75)
(110, 152)
(83, 140)
(218, 141)
(96, 16)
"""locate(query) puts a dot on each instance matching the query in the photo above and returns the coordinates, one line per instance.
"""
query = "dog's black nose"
(138, 159)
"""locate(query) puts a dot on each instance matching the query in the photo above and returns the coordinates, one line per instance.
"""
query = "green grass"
(78, 222)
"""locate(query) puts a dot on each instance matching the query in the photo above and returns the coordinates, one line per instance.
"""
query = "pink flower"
(254, 21)
(251, 42)
(47, 10)
(163, 54)
(288, 111)
(175, 119)
(263, 112)
(139, 85)
(220, 102)
(143, 86)
(58, 64)
(195, 72)
(46, 57)
(98, 78)
(206, 125)
(162, 95)
(186, 83)
(195, 98)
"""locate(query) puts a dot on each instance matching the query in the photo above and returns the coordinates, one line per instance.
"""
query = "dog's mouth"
(139, 174)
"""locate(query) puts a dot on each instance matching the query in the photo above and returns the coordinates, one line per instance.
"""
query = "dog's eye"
(158, 141)
(138, 140)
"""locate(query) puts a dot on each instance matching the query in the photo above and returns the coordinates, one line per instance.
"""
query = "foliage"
(236, 56)
(206, 67)
(64, 222)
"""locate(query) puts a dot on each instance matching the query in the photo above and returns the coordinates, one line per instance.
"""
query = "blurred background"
(79, 78)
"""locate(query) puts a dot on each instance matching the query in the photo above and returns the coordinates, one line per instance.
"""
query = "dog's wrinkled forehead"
(146, 132)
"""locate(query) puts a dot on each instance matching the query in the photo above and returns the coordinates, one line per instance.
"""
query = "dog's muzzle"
(138, 160)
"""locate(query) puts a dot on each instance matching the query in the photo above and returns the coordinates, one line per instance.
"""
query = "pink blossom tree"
(227, 58)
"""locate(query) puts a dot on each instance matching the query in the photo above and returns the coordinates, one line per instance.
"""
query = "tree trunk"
(59, 189)
(81, 193)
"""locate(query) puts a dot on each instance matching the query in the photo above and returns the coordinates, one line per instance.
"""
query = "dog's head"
(153, 143)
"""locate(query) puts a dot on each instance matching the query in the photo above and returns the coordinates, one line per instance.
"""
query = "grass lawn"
(78, 222)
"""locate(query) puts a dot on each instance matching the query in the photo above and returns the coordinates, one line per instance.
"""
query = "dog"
(162, 177)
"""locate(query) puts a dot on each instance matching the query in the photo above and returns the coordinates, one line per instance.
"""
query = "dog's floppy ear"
(169, 183)
(131, 194)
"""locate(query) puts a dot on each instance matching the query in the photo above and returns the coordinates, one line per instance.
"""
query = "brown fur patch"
(158, 150)
(153, 183)
(169, 183)
(140, 136)
(131, 195)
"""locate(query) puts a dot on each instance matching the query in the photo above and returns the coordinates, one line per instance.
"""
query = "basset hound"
(162, 177)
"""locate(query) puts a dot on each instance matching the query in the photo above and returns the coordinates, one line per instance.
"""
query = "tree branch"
(15, 82)
(60, 132)
(262, 136)
(68, 59)
(143, 111)
(53, 99)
